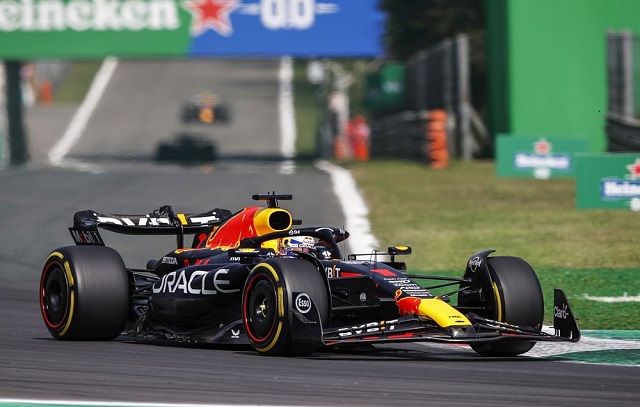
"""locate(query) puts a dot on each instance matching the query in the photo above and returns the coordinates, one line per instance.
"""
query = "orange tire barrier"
(437, 150)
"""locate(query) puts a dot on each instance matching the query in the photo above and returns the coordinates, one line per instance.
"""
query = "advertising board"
(608, 181)
(57, 29)
(535, 156)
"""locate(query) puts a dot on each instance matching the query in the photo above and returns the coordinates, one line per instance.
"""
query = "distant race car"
(187, 148)
(257, 277)
(205, 107)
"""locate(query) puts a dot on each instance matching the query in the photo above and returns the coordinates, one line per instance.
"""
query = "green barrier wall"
(547, 63)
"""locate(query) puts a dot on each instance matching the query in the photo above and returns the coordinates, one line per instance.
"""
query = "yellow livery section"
(441, 312)
(269, 220)
(436, 309)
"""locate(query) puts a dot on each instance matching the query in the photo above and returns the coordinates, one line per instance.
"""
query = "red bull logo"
(250, 222)
(436, 309)
(407, 305)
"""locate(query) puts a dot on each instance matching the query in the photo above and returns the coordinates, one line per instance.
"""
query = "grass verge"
(447, 215)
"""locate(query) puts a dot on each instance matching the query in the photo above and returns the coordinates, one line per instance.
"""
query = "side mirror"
(399, 250)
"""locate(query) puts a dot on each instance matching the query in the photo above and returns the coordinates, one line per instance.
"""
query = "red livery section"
(234, 230)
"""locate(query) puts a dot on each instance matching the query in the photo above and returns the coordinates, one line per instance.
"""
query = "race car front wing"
(414, 328)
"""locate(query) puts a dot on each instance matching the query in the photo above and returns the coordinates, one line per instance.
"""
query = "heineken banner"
(608, 181)
(537, 156)
(54, 29)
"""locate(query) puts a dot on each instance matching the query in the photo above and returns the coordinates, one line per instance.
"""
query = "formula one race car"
(257, 277)
(187, 148)
(205, 107)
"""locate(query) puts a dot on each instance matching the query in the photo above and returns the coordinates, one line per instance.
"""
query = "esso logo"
(303, 303)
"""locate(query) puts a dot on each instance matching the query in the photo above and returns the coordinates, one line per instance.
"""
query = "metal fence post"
(613, 52)
(627, 74)
(464, 127)
(17, 136)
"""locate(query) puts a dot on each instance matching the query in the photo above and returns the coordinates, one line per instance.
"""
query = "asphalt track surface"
(37, 206)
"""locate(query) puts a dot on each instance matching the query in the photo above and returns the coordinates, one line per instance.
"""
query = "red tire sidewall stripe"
(45, 274)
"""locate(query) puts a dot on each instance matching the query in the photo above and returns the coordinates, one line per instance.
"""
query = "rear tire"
(517, 300)
(267, 301)
(84, 293)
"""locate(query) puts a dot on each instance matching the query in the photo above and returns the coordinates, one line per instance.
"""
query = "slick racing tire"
(84, 293)
(517, 299)
(268, 302)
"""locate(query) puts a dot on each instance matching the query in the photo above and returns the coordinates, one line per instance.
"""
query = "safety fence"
(623, 113)
(435, 79)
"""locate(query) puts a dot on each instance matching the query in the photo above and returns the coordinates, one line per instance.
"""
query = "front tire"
(267, 301)
(84, 293)
(517, 299)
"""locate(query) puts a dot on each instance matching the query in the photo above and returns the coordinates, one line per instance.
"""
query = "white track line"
(353, 206)
(623, 298)
(114, 403)
(286, 115)
(83, 114)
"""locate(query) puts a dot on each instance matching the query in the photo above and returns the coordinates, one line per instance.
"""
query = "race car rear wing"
(162, 221)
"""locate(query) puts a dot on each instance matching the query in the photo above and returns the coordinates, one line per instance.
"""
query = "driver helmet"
(304, 244)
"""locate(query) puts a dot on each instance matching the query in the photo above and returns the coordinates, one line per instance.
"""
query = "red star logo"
(211, 14)
(542, 147)
(634, 169)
